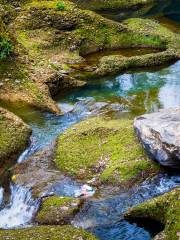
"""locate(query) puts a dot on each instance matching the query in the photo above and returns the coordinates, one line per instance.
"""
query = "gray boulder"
(160, 135)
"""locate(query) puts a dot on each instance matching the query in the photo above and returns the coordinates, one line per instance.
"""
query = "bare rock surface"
(160, 134)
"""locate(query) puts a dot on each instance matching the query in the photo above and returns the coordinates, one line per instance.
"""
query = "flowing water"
(126, 95)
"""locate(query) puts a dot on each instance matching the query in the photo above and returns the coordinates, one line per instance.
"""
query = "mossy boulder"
(105, 149)
(164, 209)
(47, 232)
(57, 210)
(14, 137)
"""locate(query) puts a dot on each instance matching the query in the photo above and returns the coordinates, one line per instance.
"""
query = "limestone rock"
(160, 134)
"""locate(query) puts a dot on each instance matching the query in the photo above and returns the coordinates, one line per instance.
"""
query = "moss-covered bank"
(105, 149)
(165, 209)
(16, 85)
(46, 40)
(113, 5)
(14, 135)
(46, 232)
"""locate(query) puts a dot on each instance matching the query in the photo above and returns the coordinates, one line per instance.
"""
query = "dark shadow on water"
(152, 226)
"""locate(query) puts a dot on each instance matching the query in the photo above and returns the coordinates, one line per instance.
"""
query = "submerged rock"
(66, 232)
(164, 209)
(57, 210)
(160, 134)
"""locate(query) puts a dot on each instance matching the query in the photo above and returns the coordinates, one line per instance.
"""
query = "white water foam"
(20, 210)
(1, 195)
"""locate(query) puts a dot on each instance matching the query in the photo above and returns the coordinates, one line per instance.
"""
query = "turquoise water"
(125, 95)
(140, 92)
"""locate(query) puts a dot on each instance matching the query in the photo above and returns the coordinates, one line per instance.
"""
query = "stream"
(123, 96)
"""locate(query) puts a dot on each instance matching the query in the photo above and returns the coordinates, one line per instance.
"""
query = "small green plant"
(5, 48)
(60, 6)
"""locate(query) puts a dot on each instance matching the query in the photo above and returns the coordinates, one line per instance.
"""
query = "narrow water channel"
(123, 96)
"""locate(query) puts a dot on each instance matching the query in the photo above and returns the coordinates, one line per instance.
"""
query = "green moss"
(50, 5)
(116, 63)
(6, 45)
(113, 5)
(57, 210)
(165, 209)
(56, 201)
(151, 28)
(14, 137)
(106, 147)
(60, 6)
(47, 232)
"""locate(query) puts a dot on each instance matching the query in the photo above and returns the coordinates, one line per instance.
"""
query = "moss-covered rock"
(120, 5)
(47, 232)
(116, 63)
(14, 137)
(107, 149)
(165, 209)
(16, 85)
(57, 210)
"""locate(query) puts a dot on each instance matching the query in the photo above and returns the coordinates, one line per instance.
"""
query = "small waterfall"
(20, 209)
(1, 195)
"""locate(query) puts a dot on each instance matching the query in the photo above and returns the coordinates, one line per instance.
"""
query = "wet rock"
(164, 209)
(57, 210)
(66, 232)
(38, 173)
(94, 108)
(160, 135)
(60, 81)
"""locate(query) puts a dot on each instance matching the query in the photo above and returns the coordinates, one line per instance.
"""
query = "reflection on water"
(143, 91)
(133, 93)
